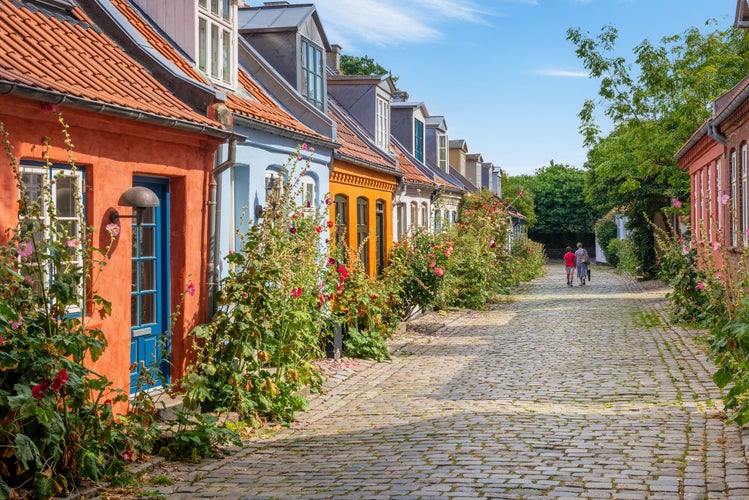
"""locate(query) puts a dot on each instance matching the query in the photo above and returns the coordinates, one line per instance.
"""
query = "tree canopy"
(519, 197)
(363, 65)
(559, 194)
(654, 109)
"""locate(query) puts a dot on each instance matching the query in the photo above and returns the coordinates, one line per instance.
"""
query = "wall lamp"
(139, 198)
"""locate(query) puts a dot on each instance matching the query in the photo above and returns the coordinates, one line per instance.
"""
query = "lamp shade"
(139, 197)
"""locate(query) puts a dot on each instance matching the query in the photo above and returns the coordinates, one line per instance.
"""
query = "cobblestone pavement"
(558, 392)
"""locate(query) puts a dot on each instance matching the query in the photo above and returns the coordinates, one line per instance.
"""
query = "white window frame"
(382, 124)
(216, 36)
(424, 215)
(734, 206)
(49, 181)
(418, 151)
(414, 214)
(719, 182)
(308, 187)
(744, 195)
(710, 203)
(442, 152)
(314, 72)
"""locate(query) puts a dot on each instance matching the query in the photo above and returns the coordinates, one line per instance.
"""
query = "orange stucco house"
(128, 130)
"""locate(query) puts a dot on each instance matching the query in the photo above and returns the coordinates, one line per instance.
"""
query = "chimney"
(275, 4)
(400, 96)
(334, 58)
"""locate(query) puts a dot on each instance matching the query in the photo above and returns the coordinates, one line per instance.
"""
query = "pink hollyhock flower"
(244, 295)
(113, 229)
(318, 229)
(1, 339)
(24, 249)
(681, 240)
(657, 261)
(28, 279)
(304, 146)
(16, 324)
(439, 271)
(339, 287)
(331, 261)
(686, 249)
(73, 243)
(328, 201)
(127, 455)
(718, 275)
(520, 193)
(191, 288)
(701, 285)
(724, 199)
(49, 107)
(342, 271)
(296, 292)
(292, 230)
(677, 203)
(330, 223)
(716, 246)
(492, 245)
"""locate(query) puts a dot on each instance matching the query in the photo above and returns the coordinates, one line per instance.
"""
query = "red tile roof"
(74, 59)
(410, 172)
(352, 145)
(261, 108)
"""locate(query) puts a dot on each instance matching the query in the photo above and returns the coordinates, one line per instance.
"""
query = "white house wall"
(242, 187)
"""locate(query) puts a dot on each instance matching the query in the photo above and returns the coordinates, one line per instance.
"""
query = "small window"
(313, 74)
(414, 214)
(419, 139)
(65, 190)
(382, 124)
(424, 215)
(442, 152)
(341, 219)
(215, 35)
(309, 193)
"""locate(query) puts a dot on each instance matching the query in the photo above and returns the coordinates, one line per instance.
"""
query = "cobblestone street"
(558, 392)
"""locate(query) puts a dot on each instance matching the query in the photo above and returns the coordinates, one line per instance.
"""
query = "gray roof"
(437, 121)
(274, 17)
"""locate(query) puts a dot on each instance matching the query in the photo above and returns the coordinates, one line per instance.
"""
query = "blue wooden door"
(149, 300)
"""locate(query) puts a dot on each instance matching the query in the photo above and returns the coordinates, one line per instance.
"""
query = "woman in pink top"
(569, 263)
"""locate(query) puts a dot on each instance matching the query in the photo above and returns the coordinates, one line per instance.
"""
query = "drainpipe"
(213, 213)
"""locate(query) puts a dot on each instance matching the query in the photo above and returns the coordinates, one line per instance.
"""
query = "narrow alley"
(558, 392)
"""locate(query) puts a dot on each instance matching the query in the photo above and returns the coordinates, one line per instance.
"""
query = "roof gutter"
(369, 165)
(20, 90)
(713, 133)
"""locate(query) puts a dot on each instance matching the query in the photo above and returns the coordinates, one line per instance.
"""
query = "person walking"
(582, 260)
(569, 264)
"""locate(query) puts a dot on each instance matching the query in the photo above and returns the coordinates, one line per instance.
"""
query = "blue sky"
(502, 71)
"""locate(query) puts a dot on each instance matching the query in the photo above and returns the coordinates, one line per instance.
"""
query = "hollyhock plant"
(724, 199)
(24, 249)
(191, 288)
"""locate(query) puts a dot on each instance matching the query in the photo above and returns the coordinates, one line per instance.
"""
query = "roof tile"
(51, 54)
(261, 108)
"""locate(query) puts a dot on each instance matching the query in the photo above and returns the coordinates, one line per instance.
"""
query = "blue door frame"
(149, 298)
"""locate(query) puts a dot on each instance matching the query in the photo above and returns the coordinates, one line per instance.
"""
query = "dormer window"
(382, 124)
(313, 74)
(442, 151)
(419, 139)
(215, 40)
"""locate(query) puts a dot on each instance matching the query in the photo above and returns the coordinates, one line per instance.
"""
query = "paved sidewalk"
(559, 392)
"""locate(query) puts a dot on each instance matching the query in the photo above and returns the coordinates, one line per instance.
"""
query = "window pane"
(148, 275)
(134, 300)
(202, 44)
(148, 241)
(226, 53)
(148, 308)
(226, 10)
(214, 7)
(33, 183)
(147, 215)
(64, 196)
(134, 277)
(214, 50)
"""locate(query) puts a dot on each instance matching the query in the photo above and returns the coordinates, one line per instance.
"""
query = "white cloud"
(391, 22)
(563, 73)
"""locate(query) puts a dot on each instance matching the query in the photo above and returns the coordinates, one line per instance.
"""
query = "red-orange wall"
(112, 151)
(708, 217)
(353, 182)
